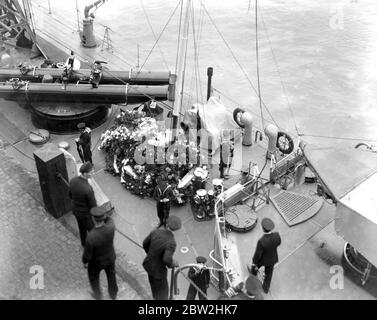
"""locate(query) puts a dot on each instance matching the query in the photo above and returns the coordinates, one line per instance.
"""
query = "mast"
(181, 69)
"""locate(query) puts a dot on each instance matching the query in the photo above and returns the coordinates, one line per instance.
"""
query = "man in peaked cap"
(160, 246)
(266, 253)
(82, 199)
(84, 143)
(99, 253)
(201, 277)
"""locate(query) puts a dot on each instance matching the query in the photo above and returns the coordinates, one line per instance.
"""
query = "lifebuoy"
(235, 114)
(284, 143)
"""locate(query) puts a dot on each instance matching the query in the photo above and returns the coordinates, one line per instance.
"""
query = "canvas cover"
(213, 118)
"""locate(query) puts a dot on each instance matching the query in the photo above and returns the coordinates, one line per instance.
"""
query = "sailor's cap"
(98, 212)
(86, 167)
(174, 223)
(201, 259)
(267, 224)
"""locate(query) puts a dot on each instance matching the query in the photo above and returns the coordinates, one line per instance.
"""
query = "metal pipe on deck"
(57, 92)
(108, 77)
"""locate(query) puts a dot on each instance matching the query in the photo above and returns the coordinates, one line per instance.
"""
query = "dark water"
(317, 58)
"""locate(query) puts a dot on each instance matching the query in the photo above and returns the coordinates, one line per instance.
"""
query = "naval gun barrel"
(106, 94)
(108, 76)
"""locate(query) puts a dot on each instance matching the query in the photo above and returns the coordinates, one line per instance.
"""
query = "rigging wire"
(337, 138)
(238, 104)
(179, 37)
(77, 16)
(257, 55)
(167, 23)
(154, 34)
(196, 69)
(60, 20)
(167, 106)
(280, 77)
(236, 60)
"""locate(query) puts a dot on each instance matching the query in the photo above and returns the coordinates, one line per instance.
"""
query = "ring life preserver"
(283, 148)
(235, 113)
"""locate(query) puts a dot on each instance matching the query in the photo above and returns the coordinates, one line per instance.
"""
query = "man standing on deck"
(201, 277)
(163, 194)
(84, 143)
(226, 153)
(266, 253)
(99, 253)
(160, 246)
(82, 196)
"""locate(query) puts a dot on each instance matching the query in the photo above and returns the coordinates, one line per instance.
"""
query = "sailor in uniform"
(84, 143)
(163, 194)
(266, 253)
(99, 253)
(160, 246)
(201, 277)
(83, 199)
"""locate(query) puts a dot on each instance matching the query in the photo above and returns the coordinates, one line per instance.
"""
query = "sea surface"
(317, 59)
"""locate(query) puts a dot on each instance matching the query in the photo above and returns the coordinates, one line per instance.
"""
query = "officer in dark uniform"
(83, 199)
(99, 253)
(160, 246)
(163, 194)
(84, 142)
(266, 253)
(201, 277)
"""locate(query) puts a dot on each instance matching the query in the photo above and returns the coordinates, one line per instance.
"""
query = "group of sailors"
(97, 230)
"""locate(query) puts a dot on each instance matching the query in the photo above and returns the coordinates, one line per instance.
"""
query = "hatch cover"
(295, 207)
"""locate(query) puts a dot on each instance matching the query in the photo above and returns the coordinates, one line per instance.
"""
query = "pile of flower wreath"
(134, 146)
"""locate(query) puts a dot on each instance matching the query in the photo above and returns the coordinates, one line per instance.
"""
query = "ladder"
(106, 40)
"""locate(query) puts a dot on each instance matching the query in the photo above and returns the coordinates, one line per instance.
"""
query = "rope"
(60, 20)
(196, 73)
(179, 37)
(167, 23)
(20, 151)
(111, 118)
(257, 54)
(339, 138)
(154, 35)
(280, 77)
(236, 60)
(77, 16)
(109, 72)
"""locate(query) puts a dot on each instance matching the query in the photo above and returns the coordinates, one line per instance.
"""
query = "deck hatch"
(294, 207)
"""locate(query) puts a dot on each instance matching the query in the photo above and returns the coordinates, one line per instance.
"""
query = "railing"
(174, 279)
(217, 256)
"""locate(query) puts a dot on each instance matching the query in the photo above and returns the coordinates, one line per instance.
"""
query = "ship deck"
(307, 252)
